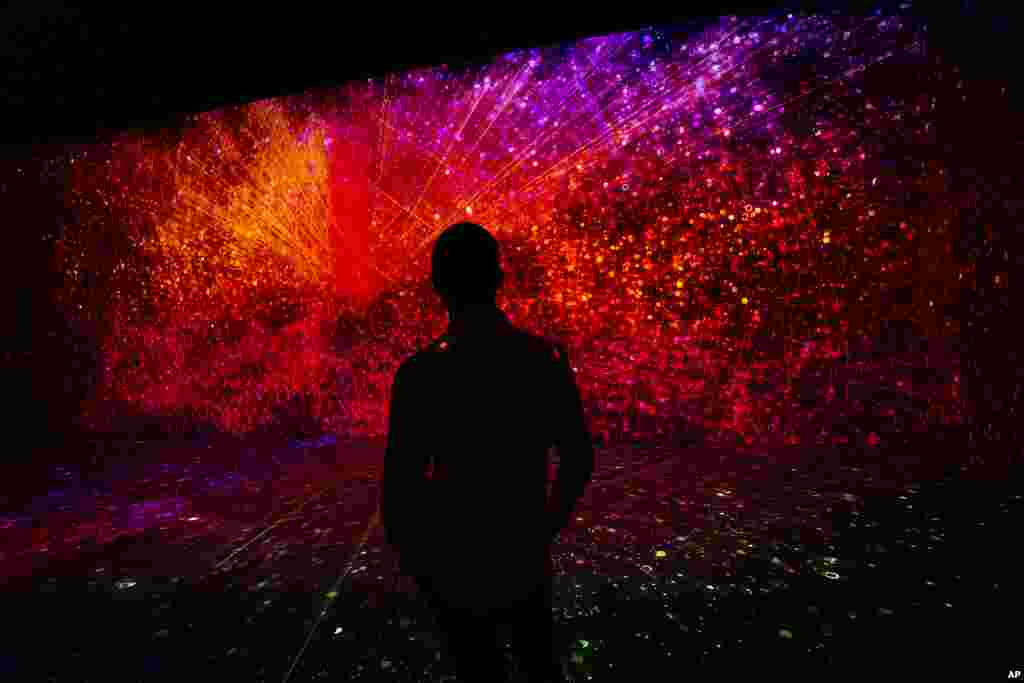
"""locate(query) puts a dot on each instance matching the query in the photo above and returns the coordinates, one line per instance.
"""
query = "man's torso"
(486, 406)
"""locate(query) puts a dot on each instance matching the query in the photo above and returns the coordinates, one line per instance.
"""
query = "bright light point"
(338, 630)
(679, 284)
(661, 553)
(469, 210)
(745, 301)
(332, 595)
(728, 132)
(193, 519)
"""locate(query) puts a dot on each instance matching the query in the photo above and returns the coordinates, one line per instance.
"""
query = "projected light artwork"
(707, 219)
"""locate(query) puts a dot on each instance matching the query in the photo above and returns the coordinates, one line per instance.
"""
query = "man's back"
(484, 403)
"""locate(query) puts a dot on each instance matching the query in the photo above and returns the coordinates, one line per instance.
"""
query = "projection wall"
(729, 228)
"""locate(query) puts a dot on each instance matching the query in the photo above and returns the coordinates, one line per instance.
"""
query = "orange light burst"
(248, 202)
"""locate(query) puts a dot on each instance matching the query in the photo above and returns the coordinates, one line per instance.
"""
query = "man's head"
(465, 266)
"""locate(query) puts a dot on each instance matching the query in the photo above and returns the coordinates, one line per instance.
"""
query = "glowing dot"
(332, 595)
(679, 284)
(661, 553)
(727, 132)
(469, 210)
(745, 301)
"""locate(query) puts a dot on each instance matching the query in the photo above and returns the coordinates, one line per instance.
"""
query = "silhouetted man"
(482, 405)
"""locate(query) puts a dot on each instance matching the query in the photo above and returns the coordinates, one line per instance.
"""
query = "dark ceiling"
(71, 74)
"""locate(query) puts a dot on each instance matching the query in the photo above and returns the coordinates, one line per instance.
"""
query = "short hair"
(466, 265)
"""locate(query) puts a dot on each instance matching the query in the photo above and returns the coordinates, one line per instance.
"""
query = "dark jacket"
(480, 407)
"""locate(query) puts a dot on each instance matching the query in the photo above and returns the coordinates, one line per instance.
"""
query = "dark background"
(75, 76)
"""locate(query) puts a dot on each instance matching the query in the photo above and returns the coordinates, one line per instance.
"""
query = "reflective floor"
(266, 562)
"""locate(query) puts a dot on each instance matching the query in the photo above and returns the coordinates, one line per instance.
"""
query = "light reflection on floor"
(715, 544)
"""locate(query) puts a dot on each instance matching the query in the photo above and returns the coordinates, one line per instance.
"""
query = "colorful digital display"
(713, 221)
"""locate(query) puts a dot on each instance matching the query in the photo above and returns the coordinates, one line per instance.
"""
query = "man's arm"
(572, 439)
(405, 465)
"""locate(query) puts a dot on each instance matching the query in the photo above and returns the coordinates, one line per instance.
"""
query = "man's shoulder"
(412, 362)
(423, 356)
(529, 342)
(543, 345)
